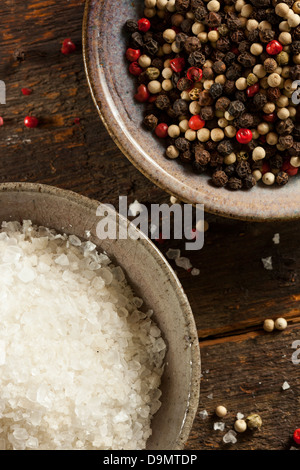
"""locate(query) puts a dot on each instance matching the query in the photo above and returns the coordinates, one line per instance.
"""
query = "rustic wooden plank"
(233, 293)
(245, 373)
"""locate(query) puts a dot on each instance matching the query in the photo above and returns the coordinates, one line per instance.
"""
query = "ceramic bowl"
(113, 89)
(151, 277)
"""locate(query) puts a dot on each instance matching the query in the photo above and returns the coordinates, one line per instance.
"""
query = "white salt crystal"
(267, 263)
(219, 426)
(285, 385)
(239, 416)
(75, 241)
(276, 238)
(27, 274)
(210, 396)
(183, 262)
(203, 414)
(62, 260)
(230, 437)
(195, 272)
(173, 253)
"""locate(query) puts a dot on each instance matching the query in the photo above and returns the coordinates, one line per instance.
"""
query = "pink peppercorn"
(135, 69)
(252, 90)
(26, 91)
(289, 169)
(142, 94)
(68, 46)
(144, 25)
(161, 130)
(270, 117)
(274, 47)
(177, 64)
(244, 136)
(194, 73)
(296, 436)
(1, 121)
(31, 122)
(196, 123)
(132, 54)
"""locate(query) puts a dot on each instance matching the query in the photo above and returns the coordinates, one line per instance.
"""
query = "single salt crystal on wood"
(203, 414)
(276, 238)
(267, 263)
(239, 416)
(195, 272)
(183, 262)
(219, 426)
(285, 385)
(173, 253)
(230, 437)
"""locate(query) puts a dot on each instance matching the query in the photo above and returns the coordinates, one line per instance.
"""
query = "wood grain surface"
(243, 367)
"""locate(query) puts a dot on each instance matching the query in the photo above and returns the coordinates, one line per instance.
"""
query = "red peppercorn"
(152, 98)
(177, 64)
(132, 54)
(265, 168)
(274, 47)
(31, 121)
(235, 50)
(252, 90)
(161, 130)
(1, 121)
(26, 91)
(68, 46)
(244, 136)
(142, 94)
(270, 117)
(77, 121)
(194, 73)
(144, 25)
(296, 436)
(289, 169)
(196, 123)
(135, 69)
(176, 29)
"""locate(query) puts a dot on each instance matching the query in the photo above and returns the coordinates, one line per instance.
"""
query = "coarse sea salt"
(80, 364)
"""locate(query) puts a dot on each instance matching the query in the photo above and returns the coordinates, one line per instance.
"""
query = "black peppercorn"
(219, 67)
(205, 98)
(201, 13)
(150, 122)
(202, 156)
(259, 101)
(162, 101)
(282, 178)
(180, 107)
(286, 141)
(137, 40)
(216, 90)
(243, 168)
(182, 144)
(132, 26)
(151, 47)
(233, 72)
(191, 44)
(266, 35)
(225, 147)
(196, 59)
(219, 178)
(236, 108)
(235, 183)
(207, 113)
(182, 5)
(222, 104)
(249, 181)
(247, 60)
(213, 20)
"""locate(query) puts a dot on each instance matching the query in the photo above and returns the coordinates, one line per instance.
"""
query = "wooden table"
(243, 367)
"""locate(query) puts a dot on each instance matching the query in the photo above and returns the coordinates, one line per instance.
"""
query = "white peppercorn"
(269, 325)
(280, 324)
(203, 134)
(274, 80)
(240, 425)
(268, 178)
(295, 162)
(144, 61)
(221, 411)
(172, 152)
(154, 87)
(258, 153)
(217, 135)
(190, 135)
(173, 131)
